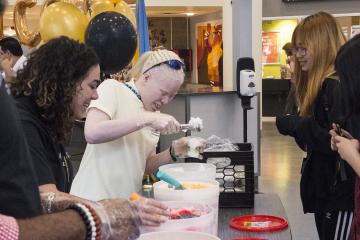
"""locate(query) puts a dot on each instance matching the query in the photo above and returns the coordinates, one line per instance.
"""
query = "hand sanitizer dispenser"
(247, 83)
(245, 86)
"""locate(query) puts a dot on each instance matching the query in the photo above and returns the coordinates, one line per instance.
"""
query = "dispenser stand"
(246, 105)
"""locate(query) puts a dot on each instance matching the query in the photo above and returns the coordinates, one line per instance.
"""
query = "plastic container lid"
(258, 223)
(190, 171)
(210, 191)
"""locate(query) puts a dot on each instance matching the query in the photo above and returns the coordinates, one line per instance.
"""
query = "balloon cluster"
(113, 38)
(106, 25)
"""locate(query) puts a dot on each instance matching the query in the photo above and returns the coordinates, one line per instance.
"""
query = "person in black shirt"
(346, 142)
(52, 90)
(19, 195)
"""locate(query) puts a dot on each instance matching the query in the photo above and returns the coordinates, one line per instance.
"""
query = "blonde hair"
(321, 35)
(150, 59)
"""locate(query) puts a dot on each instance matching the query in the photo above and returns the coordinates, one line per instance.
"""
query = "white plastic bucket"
(177, 235)
(209, 196)
(202, 223)
(190, 171)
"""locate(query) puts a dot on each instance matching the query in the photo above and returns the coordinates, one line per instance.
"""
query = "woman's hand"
(188, 147)
(347, 148)
(333, 135)
(337, 131)
(164, 123)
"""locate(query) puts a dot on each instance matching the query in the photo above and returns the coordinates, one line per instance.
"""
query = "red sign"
(270, 47)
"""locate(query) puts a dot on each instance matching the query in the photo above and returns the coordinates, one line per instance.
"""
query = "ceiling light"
(189, 14)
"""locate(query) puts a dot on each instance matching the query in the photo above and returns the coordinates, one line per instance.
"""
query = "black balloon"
(114, 39)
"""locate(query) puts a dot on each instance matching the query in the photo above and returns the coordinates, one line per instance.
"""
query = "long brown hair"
(50, 76)
(321, 35)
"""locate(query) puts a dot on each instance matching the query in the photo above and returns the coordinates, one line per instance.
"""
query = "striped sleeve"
(9, 229)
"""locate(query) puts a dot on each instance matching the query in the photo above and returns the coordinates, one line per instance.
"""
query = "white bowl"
(177, 235)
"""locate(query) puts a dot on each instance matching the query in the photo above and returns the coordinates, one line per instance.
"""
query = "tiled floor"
(280, 173)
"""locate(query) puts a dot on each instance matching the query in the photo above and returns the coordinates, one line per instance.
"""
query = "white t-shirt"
(19, 64)
(115, 169)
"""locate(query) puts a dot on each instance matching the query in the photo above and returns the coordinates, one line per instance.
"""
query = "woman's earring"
(146, 77)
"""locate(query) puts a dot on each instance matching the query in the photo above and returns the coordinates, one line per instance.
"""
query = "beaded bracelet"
(91, 220)
(96, 220)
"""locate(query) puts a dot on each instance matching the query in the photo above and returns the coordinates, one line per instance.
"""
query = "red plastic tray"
(258, 223)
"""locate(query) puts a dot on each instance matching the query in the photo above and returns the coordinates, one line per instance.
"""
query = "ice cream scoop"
(167, 178)
(195, 124)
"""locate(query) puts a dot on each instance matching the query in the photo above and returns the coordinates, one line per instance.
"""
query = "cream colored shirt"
(115, 169)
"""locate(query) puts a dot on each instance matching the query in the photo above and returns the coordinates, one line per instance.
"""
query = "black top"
(51, 162)
(19, 193)
(321, 188)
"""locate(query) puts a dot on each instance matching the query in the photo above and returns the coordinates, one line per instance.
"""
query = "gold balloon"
(61, 18)
(25, 36)
(124, 9)
(115, 1)
(100, 6)
(80, 4)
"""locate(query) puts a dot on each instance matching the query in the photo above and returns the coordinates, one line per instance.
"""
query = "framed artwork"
(209, 52)
(355, 29)
(271, 44)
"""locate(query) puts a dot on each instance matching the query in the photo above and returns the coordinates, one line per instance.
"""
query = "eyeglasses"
(173, 64)
(302, 51)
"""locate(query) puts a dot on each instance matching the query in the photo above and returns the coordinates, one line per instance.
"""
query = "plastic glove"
(151, 212)
(188, 147)
(52, 202)
(119, 219)
(164, 123)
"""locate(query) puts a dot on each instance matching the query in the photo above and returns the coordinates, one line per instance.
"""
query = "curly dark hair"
(50, 76)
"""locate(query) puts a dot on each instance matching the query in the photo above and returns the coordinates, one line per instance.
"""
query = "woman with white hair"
(123, 127)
